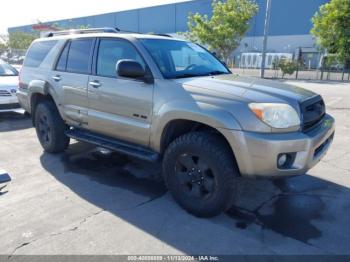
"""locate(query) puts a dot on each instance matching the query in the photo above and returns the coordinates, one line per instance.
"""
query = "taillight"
(20, 83)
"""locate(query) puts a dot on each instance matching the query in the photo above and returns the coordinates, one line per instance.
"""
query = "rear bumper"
(23, 99)
(257, 153)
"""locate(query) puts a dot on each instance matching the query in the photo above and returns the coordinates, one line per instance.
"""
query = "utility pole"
(266, 33)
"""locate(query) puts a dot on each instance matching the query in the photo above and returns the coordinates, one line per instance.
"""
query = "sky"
(30, 11)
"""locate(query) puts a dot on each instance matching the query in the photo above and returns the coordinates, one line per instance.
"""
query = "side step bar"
(113, 144)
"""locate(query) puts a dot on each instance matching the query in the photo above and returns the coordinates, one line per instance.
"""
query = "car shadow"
(305, 208)
(13, 121)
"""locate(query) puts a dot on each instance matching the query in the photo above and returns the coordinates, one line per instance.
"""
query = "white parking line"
(334, 100)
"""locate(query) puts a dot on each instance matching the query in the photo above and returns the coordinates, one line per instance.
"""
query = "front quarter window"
(180, 59)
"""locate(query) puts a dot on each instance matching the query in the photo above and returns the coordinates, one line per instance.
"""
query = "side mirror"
(130, 68)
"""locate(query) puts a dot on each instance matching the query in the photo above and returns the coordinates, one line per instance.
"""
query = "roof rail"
(165, 35)
(82, 31)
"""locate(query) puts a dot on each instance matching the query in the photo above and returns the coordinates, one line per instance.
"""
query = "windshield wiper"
(188, 75)
(214, 73)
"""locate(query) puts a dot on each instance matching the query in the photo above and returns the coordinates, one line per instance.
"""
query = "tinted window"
(79, 56)
(110, 52)
(37, 53)
(62, 62)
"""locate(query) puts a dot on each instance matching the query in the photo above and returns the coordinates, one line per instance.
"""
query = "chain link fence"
(329, 75)
(317, 70)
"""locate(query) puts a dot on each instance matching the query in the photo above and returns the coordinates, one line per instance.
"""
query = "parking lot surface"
(91, 201)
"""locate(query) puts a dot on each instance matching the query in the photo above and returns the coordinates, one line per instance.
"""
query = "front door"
(119, 107)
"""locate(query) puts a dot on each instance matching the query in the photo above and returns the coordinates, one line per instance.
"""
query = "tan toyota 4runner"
(163, 99)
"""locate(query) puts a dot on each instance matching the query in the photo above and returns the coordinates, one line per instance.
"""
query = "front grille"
(5, 93)
(312, 112)
(9, 106)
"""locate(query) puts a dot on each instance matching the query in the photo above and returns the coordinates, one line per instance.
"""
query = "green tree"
(3, 42)
(222, 32)
(21, 40)
(3, 46)
(331, 26)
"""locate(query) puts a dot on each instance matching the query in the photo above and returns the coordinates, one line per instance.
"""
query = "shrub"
(287, 66)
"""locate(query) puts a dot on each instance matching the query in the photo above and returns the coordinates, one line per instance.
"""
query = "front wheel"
(50, 128)
(201, 173)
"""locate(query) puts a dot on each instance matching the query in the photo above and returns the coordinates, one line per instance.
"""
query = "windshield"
(179, 59)
(7, 70)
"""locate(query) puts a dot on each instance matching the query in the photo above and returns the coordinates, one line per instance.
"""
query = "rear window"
(79, 56)
(37, 53)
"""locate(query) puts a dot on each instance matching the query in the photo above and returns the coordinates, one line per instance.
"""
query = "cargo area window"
(38, 52)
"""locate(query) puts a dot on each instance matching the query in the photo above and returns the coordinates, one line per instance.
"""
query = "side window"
(110, 52)
(79, 56)
(37, 53)
(62, 62)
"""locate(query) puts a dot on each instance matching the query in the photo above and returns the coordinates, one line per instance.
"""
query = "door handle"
(95, 84)
(57, 78)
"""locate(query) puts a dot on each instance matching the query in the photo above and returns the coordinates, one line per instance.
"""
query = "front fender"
(200, 112)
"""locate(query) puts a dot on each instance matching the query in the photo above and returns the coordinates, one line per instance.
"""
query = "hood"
(246, 89)
(8, 82)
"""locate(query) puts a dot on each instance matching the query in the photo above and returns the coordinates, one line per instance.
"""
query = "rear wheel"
(50, 128)
(201, 174)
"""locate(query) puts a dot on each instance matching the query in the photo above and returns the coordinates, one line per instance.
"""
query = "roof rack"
(93, 30)
(165, 35)
(82, 31)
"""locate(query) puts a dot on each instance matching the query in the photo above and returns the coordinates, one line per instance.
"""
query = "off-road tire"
(48, 119)
(214, 151)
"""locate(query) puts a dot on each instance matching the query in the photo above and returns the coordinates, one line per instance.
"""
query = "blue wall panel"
(159, 19)
(128, 20)
(293, 17)
(184, 9)
(105, 20)
(90, 21)
(288, 17)
(257, 23)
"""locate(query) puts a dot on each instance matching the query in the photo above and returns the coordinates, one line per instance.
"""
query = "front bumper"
(9, 103)
(257, 153)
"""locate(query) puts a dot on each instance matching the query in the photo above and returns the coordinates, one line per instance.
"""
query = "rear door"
(119, 107)
(71, 77)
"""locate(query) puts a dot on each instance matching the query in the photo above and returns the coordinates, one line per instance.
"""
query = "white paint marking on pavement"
(334, 101)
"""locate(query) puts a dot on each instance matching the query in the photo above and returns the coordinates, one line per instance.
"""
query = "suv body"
(137, 105)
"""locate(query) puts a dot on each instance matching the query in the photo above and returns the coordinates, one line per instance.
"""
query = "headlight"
(276, 115)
